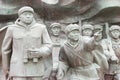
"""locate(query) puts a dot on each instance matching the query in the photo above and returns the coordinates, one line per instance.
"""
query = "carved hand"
(97, 35)
(114, 59)
(60, 74)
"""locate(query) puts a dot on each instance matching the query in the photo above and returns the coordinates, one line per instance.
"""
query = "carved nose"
(28, 16)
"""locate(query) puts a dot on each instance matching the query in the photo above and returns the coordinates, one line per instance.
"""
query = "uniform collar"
(18, 22)
(74, 46)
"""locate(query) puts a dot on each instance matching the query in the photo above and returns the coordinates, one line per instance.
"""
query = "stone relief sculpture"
(57, 41)
(36, 66)
(76, 62)
(114, 43)
(24, 48)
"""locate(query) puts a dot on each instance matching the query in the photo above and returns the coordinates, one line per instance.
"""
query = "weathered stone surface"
(101, 14)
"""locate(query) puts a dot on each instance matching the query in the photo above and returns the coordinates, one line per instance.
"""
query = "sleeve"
(46, 48)
(62, 55)
(63, 61)
(7, 49)
(90, 45)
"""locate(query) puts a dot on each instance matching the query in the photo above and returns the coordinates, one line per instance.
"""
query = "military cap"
(25, 9)
(72, 27)
(114, 27)
(55, 25)
(99, 27)
(87, 26)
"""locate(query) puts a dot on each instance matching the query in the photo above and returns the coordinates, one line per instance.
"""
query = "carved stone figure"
(76, 61)
(58, 40)
(114, 32)
(101, 50)
(104, 42)
(25, 46)
(55, 31)
(87, 30)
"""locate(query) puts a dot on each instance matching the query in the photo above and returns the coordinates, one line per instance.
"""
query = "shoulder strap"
(66, 48)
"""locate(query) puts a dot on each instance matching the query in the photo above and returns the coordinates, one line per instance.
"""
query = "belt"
(82, 67)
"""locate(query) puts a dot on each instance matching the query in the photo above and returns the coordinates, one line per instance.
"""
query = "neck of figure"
(55, 39)
(27, 26)
(55, 36)
(73, 43)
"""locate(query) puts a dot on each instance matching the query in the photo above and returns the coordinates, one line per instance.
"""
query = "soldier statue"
(24, 48)
(114, 42)
(87, 31)
(58, 39)
(101, 51)
(76, 61)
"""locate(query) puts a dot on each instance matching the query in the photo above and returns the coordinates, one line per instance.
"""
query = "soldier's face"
(87, 32)
(26, 17)
(74, 35)
(115, 34)
(56, 31)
